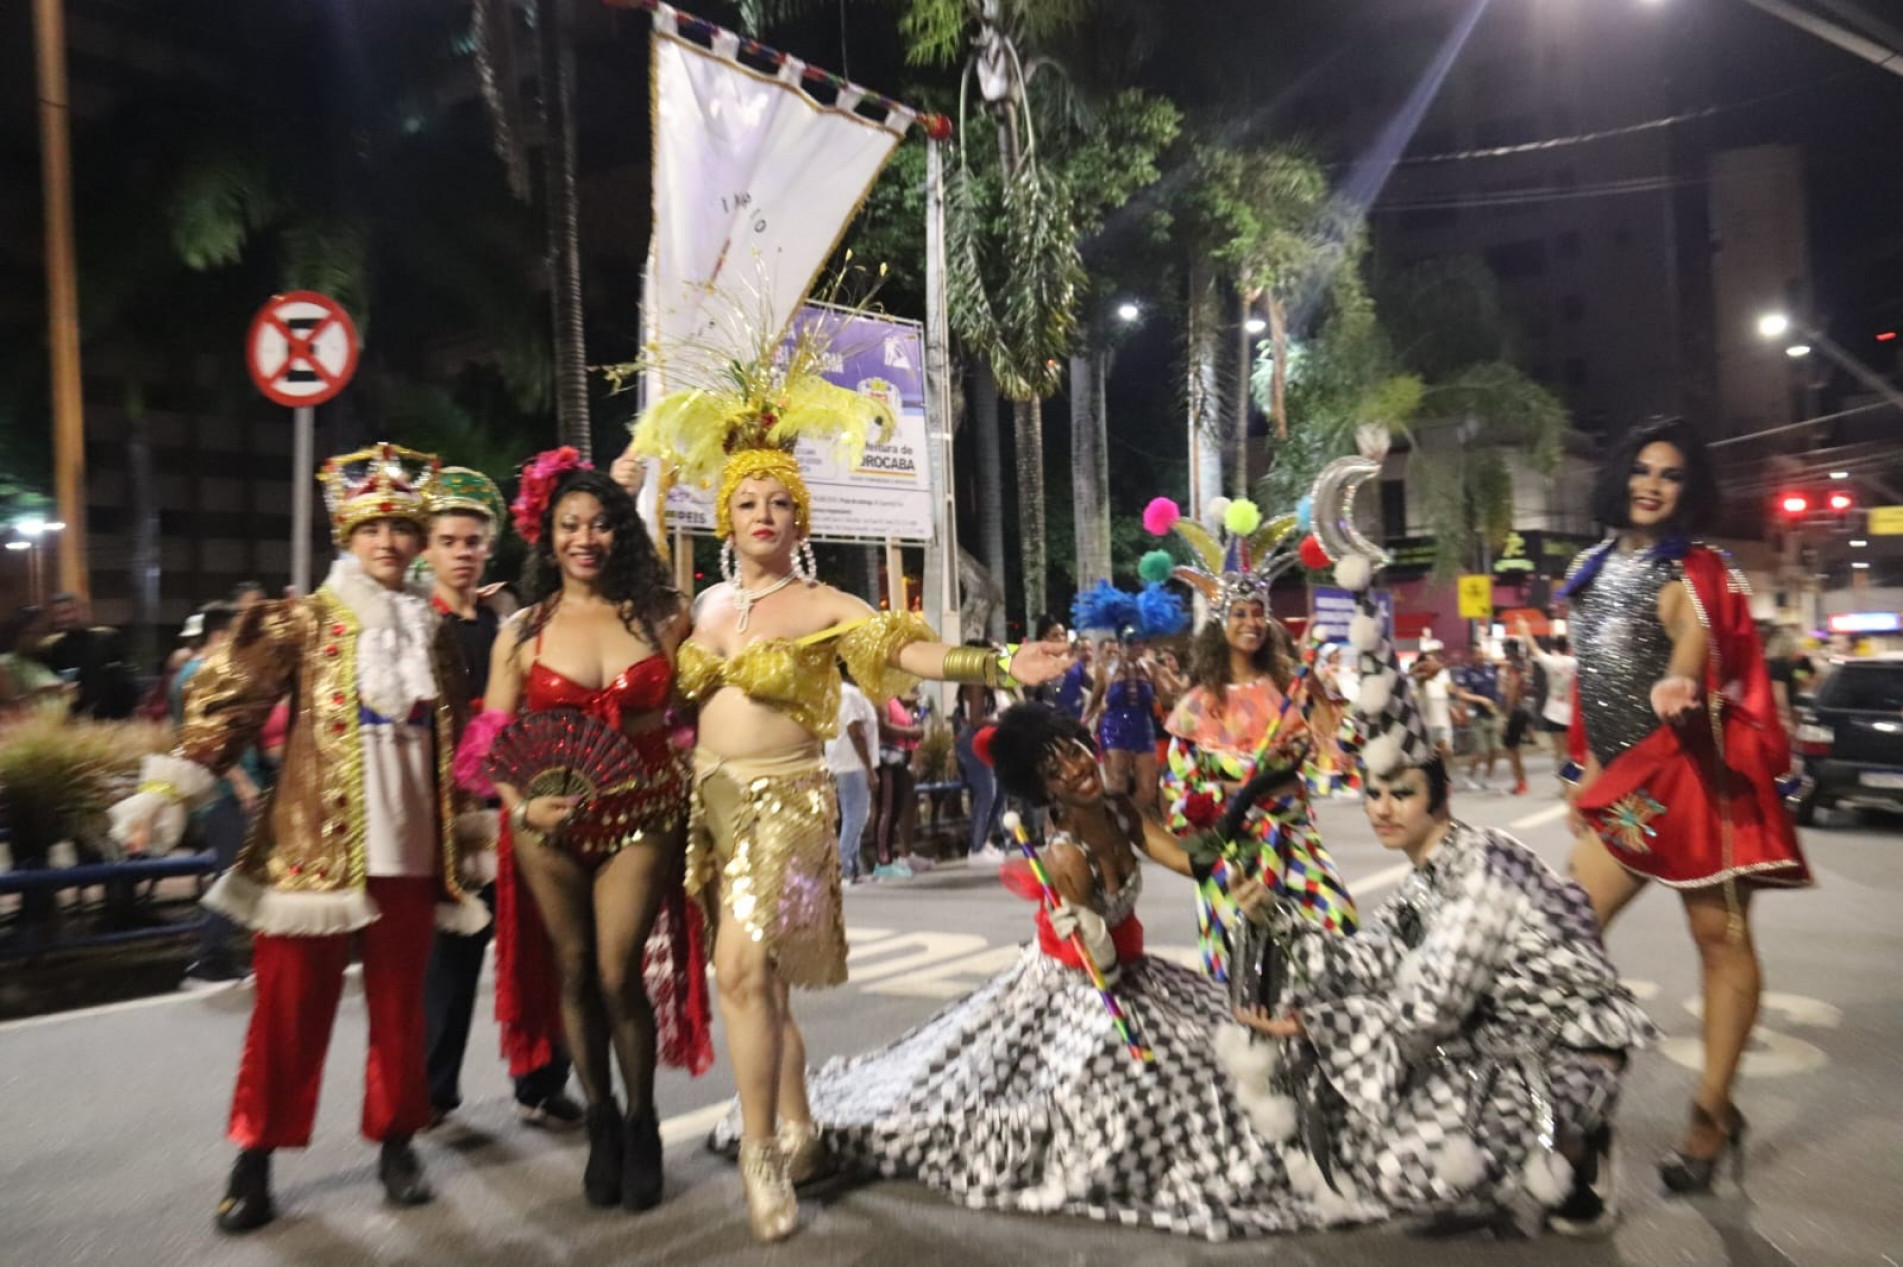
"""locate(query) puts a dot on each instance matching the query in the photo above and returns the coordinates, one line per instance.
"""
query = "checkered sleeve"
(1367, 1031)
(1184, 775)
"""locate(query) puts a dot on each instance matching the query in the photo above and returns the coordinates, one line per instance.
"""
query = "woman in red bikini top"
(605, 874)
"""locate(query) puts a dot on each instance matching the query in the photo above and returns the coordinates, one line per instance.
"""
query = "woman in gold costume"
(762, 663)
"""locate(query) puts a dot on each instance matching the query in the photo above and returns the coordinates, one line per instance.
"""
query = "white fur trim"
(1375, 691)
(1382, 755)
(1249, 1062)
(1272, 1115)
(478, 867)
(394, 666)
(1364, 632)
(1547, 1177)
(1354, 573)
(290, 914)
(465, 918)
(1459, 1165)
(163, 813)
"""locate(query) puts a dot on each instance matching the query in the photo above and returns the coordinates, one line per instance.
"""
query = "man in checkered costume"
(1461, 1055)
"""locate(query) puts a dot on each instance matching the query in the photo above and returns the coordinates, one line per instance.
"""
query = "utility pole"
(62, 292)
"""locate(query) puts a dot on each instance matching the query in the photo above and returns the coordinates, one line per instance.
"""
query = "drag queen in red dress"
(605, 874)
(1679, 747)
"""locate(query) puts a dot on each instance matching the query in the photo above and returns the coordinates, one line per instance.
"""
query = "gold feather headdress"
(744, 424)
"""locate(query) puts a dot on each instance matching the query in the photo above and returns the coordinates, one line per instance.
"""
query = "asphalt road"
(111, 1147)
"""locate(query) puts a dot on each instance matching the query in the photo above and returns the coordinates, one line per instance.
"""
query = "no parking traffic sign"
(301, 349)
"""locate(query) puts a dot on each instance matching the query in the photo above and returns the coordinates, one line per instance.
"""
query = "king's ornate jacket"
(302, 870)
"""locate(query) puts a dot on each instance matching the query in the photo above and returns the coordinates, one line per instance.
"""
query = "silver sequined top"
(1622, 648)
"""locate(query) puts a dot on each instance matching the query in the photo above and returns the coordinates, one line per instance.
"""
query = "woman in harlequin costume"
(762, 663)
(1679, 749)
(1461, 1055)
(364, 837)
(598, 637)
(1249, 709)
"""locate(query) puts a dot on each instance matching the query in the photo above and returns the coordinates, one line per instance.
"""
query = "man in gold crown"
(359, 836)
(762, 663)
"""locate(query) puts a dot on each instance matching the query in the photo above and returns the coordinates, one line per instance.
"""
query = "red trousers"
(300, 980)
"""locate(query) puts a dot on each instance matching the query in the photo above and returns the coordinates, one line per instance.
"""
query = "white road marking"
(1551, 814)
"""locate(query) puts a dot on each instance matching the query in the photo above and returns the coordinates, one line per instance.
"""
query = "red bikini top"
(642, 687)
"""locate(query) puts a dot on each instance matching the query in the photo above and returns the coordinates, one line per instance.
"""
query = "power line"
(1541, 193)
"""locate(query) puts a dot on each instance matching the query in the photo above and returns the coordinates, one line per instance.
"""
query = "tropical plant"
(1434, 361)
(58, 774)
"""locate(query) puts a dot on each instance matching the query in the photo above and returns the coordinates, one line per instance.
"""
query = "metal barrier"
(39, 933)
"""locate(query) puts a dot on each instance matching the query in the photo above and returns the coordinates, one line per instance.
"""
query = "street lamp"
(1774, 325)
(1128, 311)
(33, 529)
(1797, 350)
(1255, 325)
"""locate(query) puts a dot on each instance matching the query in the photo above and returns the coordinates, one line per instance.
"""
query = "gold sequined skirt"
(762, 836)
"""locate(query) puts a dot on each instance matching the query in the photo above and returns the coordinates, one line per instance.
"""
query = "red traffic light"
(1841, 501)
(1794, 504)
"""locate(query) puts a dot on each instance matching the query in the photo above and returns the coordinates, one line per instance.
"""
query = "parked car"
(1850, 735)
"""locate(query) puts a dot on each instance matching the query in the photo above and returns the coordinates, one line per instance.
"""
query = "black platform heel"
(642, 1183)
(601, 1178)
(1689, 1176)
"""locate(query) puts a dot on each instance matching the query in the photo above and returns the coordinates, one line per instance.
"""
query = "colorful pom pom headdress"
(744, 424)
(383, 481)
(1236, 552)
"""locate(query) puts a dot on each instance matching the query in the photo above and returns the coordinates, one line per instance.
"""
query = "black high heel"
(601, 1178)
(641, 1180)
(1690, 1176)
(247, 1204)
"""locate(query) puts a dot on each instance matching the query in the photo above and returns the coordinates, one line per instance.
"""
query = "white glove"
(153, 818)
(1067, 919)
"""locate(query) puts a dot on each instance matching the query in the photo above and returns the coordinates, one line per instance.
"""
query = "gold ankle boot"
(772, 1208)
(806, 1158)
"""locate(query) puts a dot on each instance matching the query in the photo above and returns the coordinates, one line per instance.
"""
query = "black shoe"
(601, 1178)
(247, 1203)
(402, 1173)
(555, 1113)
(1689, 1176)
(641, 1179)
(1592, 1207)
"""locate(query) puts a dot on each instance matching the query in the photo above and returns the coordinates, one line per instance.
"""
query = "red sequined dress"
(674, 960)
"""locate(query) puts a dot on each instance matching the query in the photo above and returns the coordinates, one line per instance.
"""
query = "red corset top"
(642, 687)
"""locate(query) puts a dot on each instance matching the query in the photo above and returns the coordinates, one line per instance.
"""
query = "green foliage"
(939, 32)
(58, 774)
(218, 198)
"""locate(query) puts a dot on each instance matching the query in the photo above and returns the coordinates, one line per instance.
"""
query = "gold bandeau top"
(800, 676)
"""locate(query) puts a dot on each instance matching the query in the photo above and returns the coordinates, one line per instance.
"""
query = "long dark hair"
(1209, 656)
(634, 579)
(1698, 499)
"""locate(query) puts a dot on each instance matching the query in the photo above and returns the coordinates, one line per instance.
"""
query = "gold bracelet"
(167, 790)
(971, 664)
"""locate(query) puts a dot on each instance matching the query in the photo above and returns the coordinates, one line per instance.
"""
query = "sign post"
(301, 349)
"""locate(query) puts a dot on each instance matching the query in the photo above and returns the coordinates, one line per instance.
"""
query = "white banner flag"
(754, 181)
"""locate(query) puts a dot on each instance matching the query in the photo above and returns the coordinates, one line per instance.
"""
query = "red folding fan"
(562, 752)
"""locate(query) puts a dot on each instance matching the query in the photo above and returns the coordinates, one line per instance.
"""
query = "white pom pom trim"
(1547, 1177)
(1382, 754)
(1354, 573)
(1364, 632)
(1375, 691)
(1011, 821)
(1460, 1165)
(1213, 512)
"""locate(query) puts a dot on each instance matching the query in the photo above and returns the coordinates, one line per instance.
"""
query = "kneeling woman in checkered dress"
(1024, 1095)
(1461, 1055)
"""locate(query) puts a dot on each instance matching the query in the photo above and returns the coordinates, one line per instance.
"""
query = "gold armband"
(167, 790)
(972, 664)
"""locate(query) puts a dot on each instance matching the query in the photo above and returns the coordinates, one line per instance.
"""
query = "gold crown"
(383, 481)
